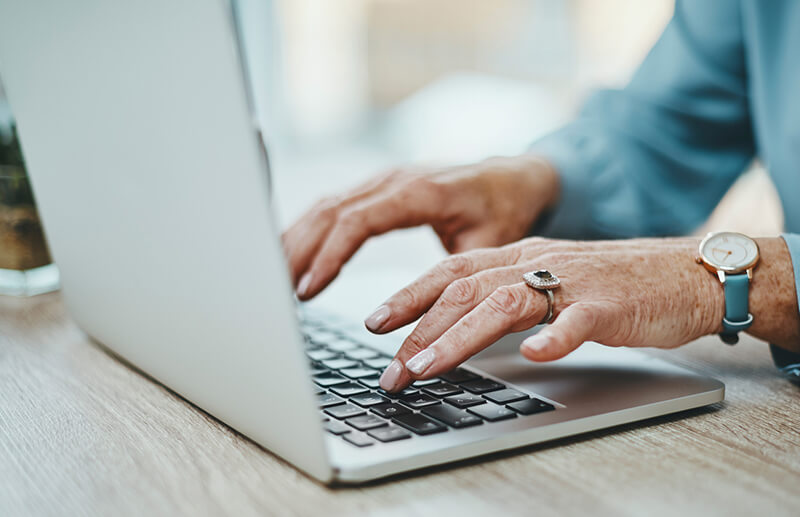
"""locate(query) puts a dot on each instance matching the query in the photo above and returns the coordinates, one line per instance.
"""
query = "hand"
(641, 292)
(486, 204)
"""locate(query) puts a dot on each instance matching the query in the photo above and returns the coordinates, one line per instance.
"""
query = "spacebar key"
(451, 416)
(419, 424)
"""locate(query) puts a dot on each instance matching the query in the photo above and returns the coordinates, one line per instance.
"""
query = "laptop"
(137, 124)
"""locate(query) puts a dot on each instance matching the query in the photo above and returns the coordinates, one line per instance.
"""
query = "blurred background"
(350, 88)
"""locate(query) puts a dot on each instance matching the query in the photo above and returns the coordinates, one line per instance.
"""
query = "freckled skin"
(637, 292)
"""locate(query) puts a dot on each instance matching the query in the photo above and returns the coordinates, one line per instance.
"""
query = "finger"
(509, 308)
(412, 301)
(575, 325)
(303, 239)
(483, 236)
(376, 215)
(458, 299)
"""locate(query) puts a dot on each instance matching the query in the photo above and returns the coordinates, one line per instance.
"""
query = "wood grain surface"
(82, 434)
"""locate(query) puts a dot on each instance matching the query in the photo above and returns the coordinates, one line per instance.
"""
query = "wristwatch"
(732, 257)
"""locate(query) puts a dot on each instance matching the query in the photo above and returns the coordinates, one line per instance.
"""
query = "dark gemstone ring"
(545, 281)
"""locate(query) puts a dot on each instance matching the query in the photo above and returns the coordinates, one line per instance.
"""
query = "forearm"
(773, 296)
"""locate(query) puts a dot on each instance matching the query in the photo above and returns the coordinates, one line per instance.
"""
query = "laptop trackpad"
(603, 378)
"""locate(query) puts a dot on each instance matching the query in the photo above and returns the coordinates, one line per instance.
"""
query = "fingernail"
(537, 342)
(391, 375)
(376, 320)
(305, 281)
(420, 362)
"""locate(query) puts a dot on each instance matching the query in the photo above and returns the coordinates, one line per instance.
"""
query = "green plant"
(10, 151)
(14, 186)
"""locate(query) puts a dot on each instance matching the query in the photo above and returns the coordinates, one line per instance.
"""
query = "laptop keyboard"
(355, 408)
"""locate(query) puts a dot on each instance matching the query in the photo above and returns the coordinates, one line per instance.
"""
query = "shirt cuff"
(793, 243)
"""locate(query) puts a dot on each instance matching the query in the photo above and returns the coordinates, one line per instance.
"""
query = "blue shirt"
(720, 87)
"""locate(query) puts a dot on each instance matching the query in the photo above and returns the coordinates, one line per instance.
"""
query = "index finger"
(390, 210)
(303, 238)
(412, 301)
(510, 308)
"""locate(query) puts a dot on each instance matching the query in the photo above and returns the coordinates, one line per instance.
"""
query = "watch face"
(729, 251)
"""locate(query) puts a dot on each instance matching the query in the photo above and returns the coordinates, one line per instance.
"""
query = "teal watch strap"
(737, 311)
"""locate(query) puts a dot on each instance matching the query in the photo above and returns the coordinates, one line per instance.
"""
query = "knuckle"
(507, 301)
(556, 257)
(406, 297)
(513, 252)
(351, 217)
(416, 185)
(327, 205)
(414, 343)
(416, 182)
(457, 265)
(464, 291)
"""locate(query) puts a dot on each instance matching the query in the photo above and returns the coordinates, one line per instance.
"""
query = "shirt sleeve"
(657, 156)
(793, 243)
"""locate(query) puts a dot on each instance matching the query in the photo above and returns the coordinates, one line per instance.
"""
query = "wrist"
(709, 296)
(773, 296)
(544, 175)
(524, 185)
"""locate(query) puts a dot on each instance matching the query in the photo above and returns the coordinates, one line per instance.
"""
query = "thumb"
(576, 324)
(483, 236)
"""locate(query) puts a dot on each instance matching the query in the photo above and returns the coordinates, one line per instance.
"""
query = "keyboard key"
(348, 389)
(341, 345)
(399, 394)
(389, 434)
(531, 406)
(418, 400)
(339, 363)
(329, 379)
(368, 399)
(482, 385)
(320, 354)
(321, 337)
(358, 373)
(328, 399)
(464, 400)
(505, 396)
(317, 370)
(358, 439)
(425, 382)
(318, 390)
(364, 422)
(336, 427)
(361, 353)
(371, 382)
(389, 410)
(419, 424)
(492, 412)
(458, 376)
(451, 416)
(441, 389)
(344, 411)
(379, 362)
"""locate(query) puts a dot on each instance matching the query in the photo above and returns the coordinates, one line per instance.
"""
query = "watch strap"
(737, 307)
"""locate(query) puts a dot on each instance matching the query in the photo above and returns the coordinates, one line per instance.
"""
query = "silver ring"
(545, 281)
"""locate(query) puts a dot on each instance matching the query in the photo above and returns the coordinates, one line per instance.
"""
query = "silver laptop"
(152, 179)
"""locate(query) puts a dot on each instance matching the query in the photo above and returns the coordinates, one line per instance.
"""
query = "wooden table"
(82, 434)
